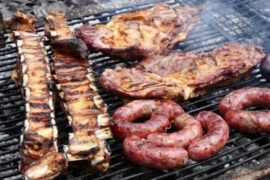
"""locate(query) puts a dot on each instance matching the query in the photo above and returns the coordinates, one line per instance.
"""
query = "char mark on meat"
(39, 154)
(183, 75)
(136, 35)
(86, 111)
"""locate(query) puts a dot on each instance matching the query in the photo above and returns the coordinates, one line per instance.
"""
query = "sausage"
(249, 121)
(213, 141)
(159, 111)
(189, 128)
(244, 98)
(147, 154)
(233, 106)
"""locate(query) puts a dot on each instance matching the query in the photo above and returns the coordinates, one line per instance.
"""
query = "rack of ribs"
(39, 154)
(86, 111)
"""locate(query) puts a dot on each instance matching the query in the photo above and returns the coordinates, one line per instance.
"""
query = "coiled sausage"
(189, 130)
(161, 150)
(147, 154)
(213, 141)
(161, 112)
(233, 106)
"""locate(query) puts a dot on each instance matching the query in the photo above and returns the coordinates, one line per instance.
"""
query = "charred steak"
(134, 35)
(183, 75)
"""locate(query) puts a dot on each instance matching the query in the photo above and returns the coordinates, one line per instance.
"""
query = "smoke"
(242, 21)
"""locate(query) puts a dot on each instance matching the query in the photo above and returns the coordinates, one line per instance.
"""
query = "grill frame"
(217, 27)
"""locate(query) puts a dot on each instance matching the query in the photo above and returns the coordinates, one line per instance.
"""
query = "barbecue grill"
(245, 21)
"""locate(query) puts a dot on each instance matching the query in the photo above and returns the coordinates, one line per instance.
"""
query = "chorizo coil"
(159, 111)
(189, 129)
(159, 150)
(233, 106)
(217, 135)
(150, 155)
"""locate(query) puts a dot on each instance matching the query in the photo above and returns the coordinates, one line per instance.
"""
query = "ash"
(74, 8)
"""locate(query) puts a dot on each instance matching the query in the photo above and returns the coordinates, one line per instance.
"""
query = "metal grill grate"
(245, 21)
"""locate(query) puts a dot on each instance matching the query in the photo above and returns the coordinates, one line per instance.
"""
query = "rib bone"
(40, 158)
(86, 111)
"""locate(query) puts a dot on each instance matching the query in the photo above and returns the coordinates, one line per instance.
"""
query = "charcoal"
(54, 7)
(80, 2)
(22, 1)
(13, 6)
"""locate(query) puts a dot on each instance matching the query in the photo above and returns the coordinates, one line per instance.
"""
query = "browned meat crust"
(22, 22)
(233, 106)
(86, 112)
(217, 135)
(135, 35)
(183, 75)
(40, 158)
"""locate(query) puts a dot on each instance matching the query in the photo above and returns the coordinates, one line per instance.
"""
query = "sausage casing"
(249, 121)
(233, 106)
(189, 129)
(161, 112)
(150, 155)
(244, 98)
(213, 141)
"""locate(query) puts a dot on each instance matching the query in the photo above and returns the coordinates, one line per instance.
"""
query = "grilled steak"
(40, 158)
(183, 75)
(135, 35)
(86, 112)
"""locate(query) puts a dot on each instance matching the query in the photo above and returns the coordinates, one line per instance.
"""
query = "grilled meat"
(135, 35)
(161, 112)
(160, 157)
(189, 130)
(86, 112)
(183, 75)
(216, 137)
(40, 158)
(22, 22)
(146, 143)
(233, 107)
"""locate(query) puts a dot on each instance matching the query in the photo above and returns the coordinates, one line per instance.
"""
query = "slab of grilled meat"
(135, 35)
(86, 111)
(40, 158)
(183, 75)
